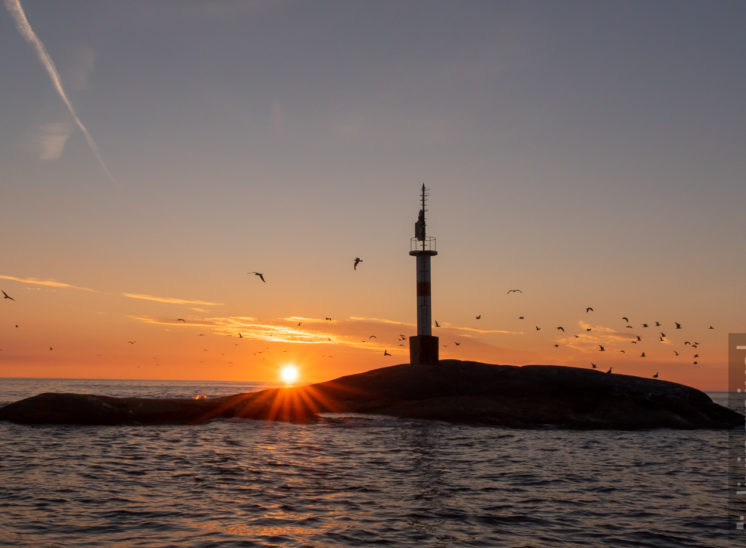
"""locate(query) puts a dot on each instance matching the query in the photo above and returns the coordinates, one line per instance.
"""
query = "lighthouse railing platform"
(427, 245)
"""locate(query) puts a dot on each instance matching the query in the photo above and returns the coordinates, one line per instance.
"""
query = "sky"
(154, 154)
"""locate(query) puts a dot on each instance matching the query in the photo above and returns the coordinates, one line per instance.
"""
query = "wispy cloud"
(51, 139)
(169, 300)
(24, 27)
(46, 283)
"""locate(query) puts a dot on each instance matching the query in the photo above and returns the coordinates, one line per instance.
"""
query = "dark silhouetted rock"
(454, 391)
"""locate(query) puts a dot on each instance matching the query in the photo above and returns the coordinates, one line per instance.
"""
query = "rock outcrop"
(454, 391)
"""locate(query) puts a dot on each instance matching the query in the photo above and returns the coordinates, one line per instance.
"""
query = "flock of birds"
(634, 339)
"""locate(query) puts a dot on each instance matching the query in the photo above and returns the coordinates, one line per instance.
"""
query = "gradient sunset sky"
(590, 154)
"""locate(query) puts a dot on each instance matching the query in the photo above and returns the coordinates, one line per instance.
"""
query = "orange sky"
(98, 334)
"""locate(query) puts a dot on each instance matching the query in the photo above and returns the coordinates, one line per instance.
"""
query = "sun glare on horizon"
(289, 373)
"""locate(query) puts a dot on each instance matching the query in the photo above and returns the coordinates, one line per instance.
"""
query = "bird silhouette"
(6, 296)
(560, 328)
(358, 260)
(588, 309)
(609, 371)
(644, 325)
(437, 324)
(656, 375)
(657, 324)
(639, 338)
(261, 276)
(663, 335)
(593, 365)
(625, 318)
(132, 342)
(521, 317)
(695, 362)
(710, 327)
(180, 320)
(479, 316)
(372, 337)
(328, 318)
(677, 324)
(457, 343)
(696, 355)
(676, 352)
(556, 346)
(538, 328)
(642, 355)
(601, 348)
(513, 291)
(386, 353)
(239, 335)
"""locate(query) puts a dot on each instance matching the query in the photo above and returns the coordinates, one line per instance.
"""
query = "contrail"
(23, 26)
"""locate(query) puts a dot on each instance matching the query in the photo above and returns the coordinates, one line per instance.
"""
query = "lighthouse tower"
(423, 349)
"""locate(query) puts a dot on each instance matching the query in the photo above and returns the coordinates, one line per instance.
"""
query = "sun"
(289, 373)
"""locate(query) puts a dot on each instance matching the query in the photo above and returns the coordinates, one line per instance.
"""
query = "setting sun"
(289, 373)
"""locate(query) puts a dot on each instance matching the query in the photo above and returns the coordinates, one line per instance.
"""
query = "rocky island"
(530, 396)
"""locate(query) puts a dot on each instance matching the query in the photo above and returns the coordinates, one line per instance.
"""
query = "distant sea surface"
(350, 480)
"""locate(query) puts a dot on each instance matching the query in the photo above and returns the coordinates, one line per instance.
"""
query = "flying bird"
(521, 317)
(261, 276)
(131, 342)
(677, 324)
(625, 318)
(358, 260)
(6, 296)
(656, 375)
(457, 343)
(386, 353)
(601, 348)
(479, 316)
(328, 318)
(180, 320)
(676, 352)
(593, 365)
(644, 325)
(609, 371)
(710, 327)
(372, 337)
(642, 355)
(239, 335)
(538, 328)
(437, 324)
(588, 309)
(657, 324)
(560, 328)
(513, 291)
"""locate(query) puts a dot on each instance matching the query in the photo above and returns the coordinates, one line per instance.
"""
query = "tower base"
(423, 349)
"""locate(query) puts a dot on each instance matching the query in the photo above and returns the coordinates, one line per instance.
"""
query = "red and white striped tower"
(423, 349)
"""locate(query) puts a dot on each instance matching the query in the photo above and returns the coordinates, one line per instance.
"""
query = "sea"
(352, 480)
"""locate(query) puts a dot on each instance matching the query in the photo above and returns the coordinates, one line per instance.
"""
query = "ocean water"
(352, 481)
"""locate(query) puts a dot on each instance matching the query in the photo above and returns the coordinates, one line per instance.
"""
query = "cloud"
(169, 300)
(51, 140)
(24, 28)
(46, 283)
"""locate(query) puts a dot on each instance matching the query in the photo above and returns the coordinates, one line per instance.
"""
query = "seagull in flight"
(625, 318)
(358, 260)
(479, 316)
(593, 365)
(656, 375)
(261, 276)
(601, 348)
(677, 324)
(560, 328)
(513, 291)
(386, 353)
(588, 309)
(437, 324)
(6, 296)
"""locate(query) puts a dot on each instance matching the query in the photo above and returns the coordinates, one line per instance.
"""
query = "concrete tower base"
(423, 349)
